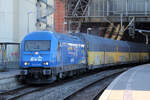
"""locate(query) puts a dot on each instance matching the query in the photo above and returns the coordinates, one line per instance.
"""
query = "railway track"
(64, 89)
(69, 89)
(93, 90)
(18, 92)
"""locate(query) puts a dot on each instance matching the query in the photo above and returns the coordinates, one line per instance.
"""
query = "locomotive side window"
(37, 45)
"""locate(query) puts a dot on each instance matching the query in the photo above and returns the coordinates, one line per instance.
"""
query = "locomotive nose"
(36, 76)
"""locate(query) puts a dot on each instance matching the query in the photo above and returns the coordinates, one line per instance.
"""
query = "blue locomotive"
(47, 56)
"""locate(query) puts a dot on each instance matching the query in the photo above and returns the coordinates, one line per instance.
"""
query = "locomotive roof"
(47, 35)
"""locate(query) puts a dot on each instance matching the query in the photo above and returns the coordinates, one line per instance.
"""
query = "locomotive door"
(58, 53)
(61, 54)
(117, 54)
(104, 56)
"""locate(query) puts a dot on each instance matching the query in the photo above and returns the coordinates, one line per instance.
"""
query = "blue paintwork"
(71, 50)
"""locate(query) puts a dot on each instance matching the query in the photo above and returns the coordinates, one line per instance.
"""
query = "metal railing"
(104, 8)
(9, 56)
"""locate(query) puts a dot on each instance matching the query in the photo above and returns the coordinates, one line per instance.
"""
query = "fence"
(9, 56)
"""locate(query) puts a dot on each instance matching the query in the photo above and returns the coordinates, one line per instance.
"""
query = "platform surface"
(8, 74)
(133, 84)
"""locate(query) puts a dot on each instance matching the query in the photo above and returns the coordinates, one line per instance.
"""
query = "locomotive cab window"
(37, 45)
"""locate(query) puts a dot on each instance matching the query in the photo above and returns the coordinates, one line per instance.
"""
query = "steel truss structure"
(77, 7)
(112, 11)
(74, 9)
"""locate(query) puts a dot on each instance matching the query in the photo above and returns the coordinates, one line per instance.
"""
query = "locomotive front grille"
(39, 71)
(35, 71)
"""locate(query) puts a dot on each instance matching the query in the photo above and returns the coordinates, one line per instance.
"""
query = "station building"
(19, 17)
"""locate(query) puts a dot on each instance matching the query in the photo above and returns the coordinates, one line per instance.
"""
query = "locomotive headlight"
(25, 63)
(45, 63)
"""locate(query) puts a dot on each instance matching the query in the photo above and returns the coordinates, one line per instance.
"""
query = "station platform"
(133, 84)
(9, 74)
(8, 80)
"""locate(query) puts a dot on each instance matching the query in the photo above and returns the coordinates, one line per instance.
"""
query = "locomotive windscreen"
(37, 45)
